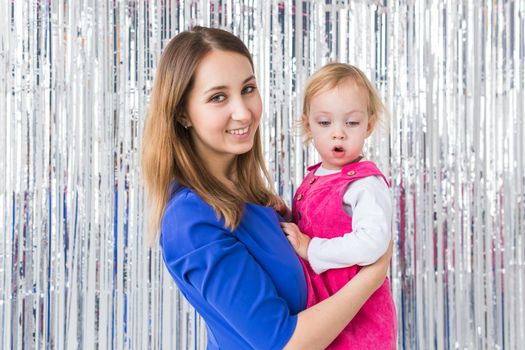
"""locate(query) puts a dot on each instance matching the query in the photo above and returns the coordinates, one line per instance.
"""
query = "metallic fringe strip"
(75, 79)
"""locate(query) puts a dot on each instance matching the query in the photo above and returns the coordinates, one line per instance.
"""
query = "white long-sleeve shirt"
(369, 202)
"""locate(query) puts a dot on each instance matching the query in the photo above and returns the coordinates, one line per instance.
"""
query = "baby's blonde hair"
(330, 76)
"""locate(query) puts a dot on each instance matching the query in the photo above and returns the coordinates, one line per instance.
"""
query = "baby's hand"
(299, 240)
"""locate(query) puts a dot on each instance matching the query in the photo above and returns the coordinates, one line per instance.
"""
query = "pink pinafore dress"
(318, 211)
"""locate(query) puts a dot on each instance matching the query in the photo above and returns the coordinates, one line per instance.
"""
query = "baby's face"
(338, 123)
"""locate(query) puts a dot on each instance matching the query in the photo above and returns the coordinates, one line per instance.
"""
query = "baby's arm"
(370, 203)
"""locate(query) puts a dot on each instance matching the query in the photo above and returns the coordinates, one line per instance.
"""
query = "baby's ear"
(371, 125)
(306, 125)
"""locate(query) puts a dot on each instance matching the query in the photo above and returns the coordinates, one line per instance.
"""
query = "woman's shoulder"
(184, 199)
(189, 221)
(186, 208)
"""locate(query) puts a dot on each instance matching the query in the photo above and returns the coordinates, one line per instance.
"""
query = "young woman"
(209, 196)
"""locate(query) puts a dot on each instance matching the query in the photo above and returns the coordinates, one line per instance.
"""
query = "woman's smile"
(239, 132)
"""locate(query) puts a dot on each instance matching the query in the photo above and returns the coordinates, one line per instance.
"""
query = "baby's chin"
(331, 165)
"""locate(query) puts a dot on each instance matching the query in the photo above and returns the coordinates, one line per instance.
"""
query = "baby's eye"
(248, 89)
(217, 98)
(350, 123)
(324, 122)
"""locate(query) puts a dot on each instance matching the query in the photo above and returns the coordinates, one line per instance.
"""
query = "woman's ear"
(185, 122)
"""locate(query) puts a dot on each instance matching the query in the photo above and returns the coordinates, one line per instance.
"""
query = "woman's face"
(224, 107)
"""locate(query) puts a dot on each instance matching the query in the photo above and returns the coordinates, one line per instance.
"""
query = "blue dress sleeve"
(220, 277)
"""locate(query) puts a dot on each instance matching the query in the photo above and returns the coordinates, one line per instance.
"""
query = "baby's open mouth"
(338, 149)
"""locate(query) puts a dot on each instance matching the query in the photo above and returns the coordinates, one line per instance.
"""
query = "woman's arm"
(225, 283)
(320, 324)
(223, 280)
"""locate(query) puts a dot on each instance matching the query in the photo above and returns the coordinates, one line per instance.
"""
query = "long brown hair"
(168, 154)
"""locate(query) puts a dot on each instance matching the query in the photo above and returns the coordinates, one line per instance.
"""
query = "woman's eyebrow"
(222, 87)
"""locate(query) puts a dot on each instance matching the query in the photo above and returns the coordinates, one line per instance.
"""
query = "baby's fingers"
(287, 229)
(293, 226)
(293, 241)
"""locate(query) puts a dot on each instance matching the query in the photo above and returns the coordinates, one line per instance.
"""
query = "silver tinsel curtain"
(75, 79)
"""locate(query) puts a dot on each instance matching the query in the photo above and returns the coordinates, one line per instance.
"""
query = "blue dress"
(248, 284)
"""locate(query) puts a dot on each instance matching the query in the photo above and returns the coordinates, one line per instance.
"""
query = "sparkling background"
(75, 78)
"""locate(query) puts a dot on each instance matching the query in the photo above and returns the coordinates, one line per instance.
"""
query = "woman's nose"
(240, 111)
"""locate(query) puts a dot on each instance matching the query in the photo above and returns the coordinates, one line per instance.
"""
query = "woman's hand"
(298, 240)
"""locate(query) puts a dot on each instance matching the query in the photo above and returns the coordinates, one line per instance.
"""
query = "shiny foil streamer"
(75, 79)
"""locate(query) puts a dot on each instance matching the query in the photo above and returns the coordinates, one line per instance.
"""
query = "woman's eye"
(248, 89)
(217, 98)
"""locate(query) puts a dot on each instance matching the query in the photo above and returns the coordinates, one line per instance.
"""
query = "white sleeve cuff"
(351, 249)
